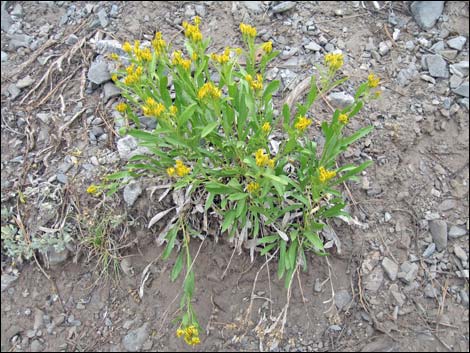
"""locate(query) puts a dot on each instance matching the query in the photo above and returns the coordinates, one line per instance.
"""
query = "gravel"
(460, 253)
(462, 90)
(7, 280)
(429, 250)
(408, 272)
(110, 90)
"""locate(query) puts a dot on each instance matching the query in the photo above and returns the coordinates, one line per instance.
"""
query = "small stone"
(342, 298)
(44, 117)
(62, 178)
(284, 6)
(313, 46)
(253, 6)
(17, 10)
(7, 280)
(334, 328)
(387, 217)
(131, 193)
(134, 339)
(31, 333)
(447, 205)
(103, 17)
(409, 45)
(408, 74)
(460, 253)
(108, 322)
(437, 66)
(430, 291)
(99, 73)
(56, 257)
(429, 250)
(341, 99)
(110, 91)
(4, 57)
(36, 346)
(460, 69)
(462, 90)
(457, 42)
(456, 232)
(80, 306)
(71, 39)
(114, 12)
(397, 295)
(329, 47)
(438, 229)
(464, 296)
(200, 10)
(374, 279)
(426, 13)
(390, 267)
(384, 48)
(25, 82)
(455, 81)
(19, 41)
(317, 286)
(408, 272)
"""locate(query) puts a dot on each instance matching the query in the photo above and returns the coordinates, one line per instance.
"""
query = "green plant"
(215, 137)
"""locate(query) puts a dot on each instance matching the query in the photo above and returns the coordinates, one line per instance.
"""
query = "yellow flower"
(192, 32)
(238, 51)
(133, 74)
(262, 159)
(266, 127)
(302, 123)
(248, 30)
(221, 58)
(152, 108)
(144, 54)
(326, 175)
(177, 59)
(195, 340)
(208, 89)
(194, 56)
(171, 172)
(197, 20)
(372, 80)
(252, 187)
(173, 110)
(377, 94)
(267, 47)
(114, 56)
(182, 170)
(127, 47)
(334, 61)
(93, 190)
(179, 332)
(136, 45)
(343, 118)
(158, 43)
(255, 84)
(114, 77)
(121, 107)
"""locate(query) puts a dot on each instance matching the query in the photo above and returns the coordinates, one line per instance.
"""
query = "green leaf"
(144, 136)
(351, 173)
(276, 178)
(121, 175)
(209, 201)
(188, 112)
(177, 267)
(229, 218)
(189, 284)
(356, 136)
(171, 236)
(237, 196)
(268, 239)
(281, 265)
(314, 239)
(219, 188)
(286, 114)
(270, 89)
(267, 249)
(209, 128)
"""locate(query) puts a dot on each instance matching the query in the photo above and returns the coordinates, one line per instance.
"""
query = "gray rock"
(71, 39)
(313, 46)
(430, 291)
(131, 193)
(438, 46)
(134, 339)
(110, 91)
(128, 147)
(426, 13)
(398, 297)
(408, 272)
(450, 54)
(464, 296)
(429, 250)
(456, 232)
(384, 47)
(462, 90)
(5, 18)
(455, 81)
(253, 6)
(17, 10)
(97, 131)
(13, 91)
(149, 123)
(409, 45)
(457, 42)
(36, 346)
(25, 82)
(19, 40)
(374, 279)
(437, 66)
(460, 253)
(340, 99)
(56, 257)
(438, 229)
(72, 321)
(114, 12)
(447, 205)
(103, 17)
(7, 280)
(390, 267)
(62, 178)
(99, 73)
(342, 298)
(329, 47)
(200, 10)
(381, 344)
(284, 6)
(460, 69)
(4, 57)
(406, 75)
(109, 46)
(317, 286)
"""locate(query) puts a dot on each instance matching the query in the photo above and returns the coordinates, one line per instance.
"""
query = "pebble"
(447, 205)
(456, 232)
(4, 57)
(374, 279)
(438, 229)
(62, 178)
(6, 280)
(36, 346)
(110, 90)
(253, 6)
(460, 253)
(457, 42)
(426, 13)
(200, 10)
(429, 250)
(408, 74)
(17, 10)
(430, 291)
(57, 257)
(384, 47)
(71, 39)
(462, 90)
(313, 46)
(460, 69)
(390, 268)
(399, 297)
(99, 73)
(387, 217)
(25, 82)
(408, 272)
(437, 66)
(103, 17)
(131, 192)
(317, 285)
(284, 6)
(134, 339)
(464, 297)
(342, 298)
(340, 99)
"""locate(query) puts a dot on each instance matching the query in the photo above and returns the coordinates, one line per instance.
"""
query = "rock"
(438, 46)
(128, 147)
(387, 217)
(24, 82)
(447, 205)
(97, 131)
(437, 66)
(56, 257)
(456, 232)
(62, 178)
(374, 279)
(317, 286)
(340, 99)
(36, 346)
(429, 250)
(460, 253)
(4, 57)
(450, 54)
(71, 39)
(462, 90)
(284, 6)
(114, 12)
(19, 40)
(408, 272)
(7, 280)
(426, 13)
(329, 47)
(103, 17)
(200, 10)
(438, 229)
(110, 91)
(457, 42)
(342, 298)
(134, 339)
(409, 45)
(253, 6)
(390, 267)
(5, 18)
(131, 193)
(384, 47)
(99, 73)
(17, 10)
(313, 46)
(397, 296)
(455, 81)
(460, 69)
(464, 296)
(109, 46)
(430, 291)
(381, 344)
(38, 319)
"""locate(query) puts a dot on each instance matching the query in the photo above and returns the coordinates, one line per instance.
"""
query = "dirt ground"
(387, 288)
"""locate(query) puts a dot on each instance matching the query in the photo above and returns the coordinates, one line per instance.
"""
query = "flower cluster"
(372, 80)
(94, 190)
(257, 84)
(159, 44)
(121, 107)
(193, 32)
(133, 74)
(326, 175)
(334, 60)
(221, 58)
(177, 59)
(191, 335)
(209, 90)
(247, 30)
(343, 119)
(179, 169)
(152, 108)
(266, 127)
(302, 123)
(267, 47)
(252, 187)
(263, 160)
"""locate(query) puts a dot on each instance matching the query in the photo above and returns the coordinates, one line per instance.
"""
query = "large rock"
(426, 13)
(438, 229)
(99, 72)
(134, 339)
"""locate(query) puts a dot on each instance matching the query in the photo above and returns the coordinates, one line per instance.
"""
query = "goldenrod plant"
(216, 135)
